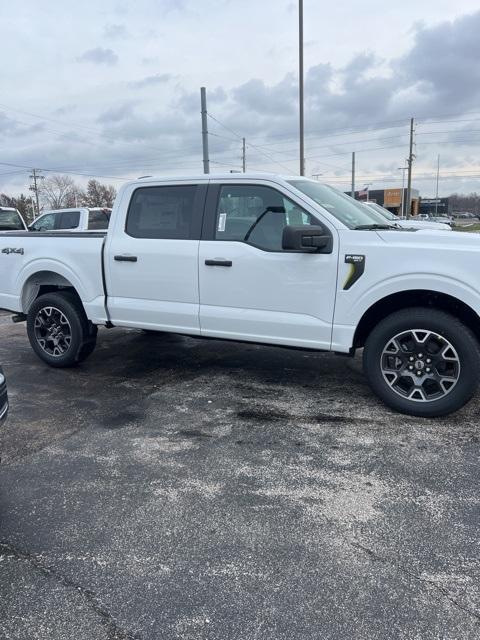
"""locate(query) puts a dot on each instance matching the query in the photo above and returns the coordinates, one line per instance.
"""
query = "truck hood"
(419, 224)
(453, 240)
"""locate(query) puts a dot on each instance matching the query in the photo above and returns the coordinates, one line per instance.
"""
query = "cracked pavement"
(177, 488)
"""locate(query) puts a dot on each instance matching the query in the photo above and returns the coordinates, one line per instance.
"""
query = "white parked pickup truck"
(77, 219)
(411, 222)
(265, 259)
(11, 220)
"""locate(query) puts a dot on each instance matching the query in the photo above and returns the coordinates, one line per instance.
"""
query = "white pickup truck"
(11, 220)
(76, 219)
(266, 259)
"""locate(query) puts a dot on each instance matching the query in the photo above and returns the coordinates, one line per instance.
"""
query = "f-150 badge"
(9, 250)
(357, 267)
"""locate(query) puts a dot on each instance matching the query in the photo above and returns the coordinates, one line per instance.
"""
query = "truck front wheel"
(58, 329)
(422, 362)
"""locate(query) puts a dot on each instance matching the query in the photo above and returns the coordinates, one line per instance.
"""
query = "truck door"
(250, 288)
(151, 258)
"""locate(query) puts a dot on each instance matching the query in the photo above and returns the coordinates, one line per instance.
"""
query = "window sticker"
(222, 219)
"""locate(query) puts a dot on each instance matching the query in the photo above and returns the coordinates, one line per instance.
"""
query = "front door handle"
(218, 263)
(125, 258)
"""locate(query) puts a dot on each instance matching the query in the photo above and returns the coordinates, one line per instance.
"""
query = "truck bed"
(73, 258)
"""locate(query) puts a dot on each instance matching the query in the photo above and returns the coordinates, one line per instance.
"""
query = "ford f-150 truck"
(265, 259)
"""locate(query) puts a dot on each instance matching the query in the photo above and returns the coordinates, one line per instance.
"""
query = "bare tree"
(59, 192)
(22, 202)
(465, 202)
(99, 195)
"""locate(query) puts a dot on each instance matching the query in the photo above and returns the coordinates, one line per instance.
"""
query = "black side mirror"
(306, 239)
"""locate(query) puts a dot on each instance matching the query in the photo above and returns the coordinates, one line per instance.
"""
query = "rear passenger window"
(98, 220)
(69, 220)
(163, 212)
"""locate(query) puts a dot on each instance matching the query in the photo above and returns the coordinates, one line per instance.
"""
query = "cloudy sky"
(111, 88)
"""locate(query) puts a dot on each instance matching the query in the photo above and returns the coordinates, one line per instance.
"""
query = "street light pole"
(300, 87)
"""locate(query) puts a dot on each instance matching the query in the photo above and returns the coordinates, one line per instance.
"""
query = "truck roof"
(204, 177)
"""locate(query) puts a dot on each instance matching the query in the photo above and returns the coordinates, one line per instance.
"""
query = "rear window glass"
(68, 220)
(162, 212)
(10, 221)
(98, 219)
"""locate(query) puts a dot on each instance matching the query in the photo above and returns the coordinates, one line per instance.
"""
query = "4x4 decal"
(9, 250)
(357, 268)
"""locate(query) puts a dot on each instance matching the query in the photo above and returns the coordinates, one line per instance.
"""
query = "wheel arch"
(42, 282)
(415, 298)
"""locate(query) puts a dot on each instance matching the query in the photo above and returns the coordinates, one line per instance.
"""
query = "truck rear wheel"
(58, 329)
(422, 362)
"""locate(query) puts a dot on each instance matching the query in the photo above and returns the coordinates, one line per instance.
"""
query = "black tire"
(391, 362)
(75, 335)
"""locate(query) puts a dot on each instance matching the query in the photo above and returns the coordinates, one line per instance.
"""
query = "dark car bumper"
(3, 398)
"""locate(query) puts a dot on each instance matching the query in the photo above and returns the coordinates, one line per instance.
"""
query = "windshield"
(344, 208)
(388, 215)
(11, 221)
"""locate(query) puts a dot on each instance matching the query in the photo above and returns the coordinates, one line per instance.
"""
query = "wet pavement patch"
(183, 489)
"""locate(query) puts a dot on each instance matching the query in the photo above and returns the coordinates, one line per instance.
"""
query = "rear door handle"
(218, 263)
(125, 258)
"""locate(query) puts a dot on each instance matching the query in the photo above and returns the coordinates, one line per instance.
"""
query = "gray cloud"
(189, 101)
(148, 81)
(438, 75)
(276, 99)
(443, 64)
(115, 31)
(99, 55)
(116, 114)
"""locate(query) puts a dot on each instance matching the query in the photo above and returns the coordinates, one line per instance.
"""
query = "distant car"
(3, 398)
(11, 220)
(441, 219)
(465, 215)
(71, 220)
(411, 223)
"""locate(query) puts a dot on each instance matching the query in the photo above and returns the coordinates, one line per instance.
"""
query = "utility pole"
(402, 199)
(203, 100)
(300, 87)
(409, 175)
(353, 175)
(244, 156)
(436, 189)
(36, 176)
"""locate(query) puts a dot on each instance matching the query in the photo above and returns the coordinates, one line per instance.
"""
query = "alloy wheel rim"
(52, 331)
(420, 365)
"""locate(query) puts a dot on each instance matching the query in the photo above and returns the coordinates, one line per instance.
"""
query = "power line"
(248, 144)
(75, 173)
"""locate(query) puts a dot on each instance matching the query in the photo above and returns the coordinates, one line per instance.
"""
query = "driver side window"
(45, 223)
(256, 215)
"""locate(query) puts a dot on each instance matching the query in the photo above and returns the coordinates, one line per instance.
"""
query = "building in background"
(391, 199)
(435, 206)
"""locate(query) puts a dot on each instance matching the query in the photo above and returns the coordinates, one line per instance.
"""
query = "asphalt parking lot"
(175, 488)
